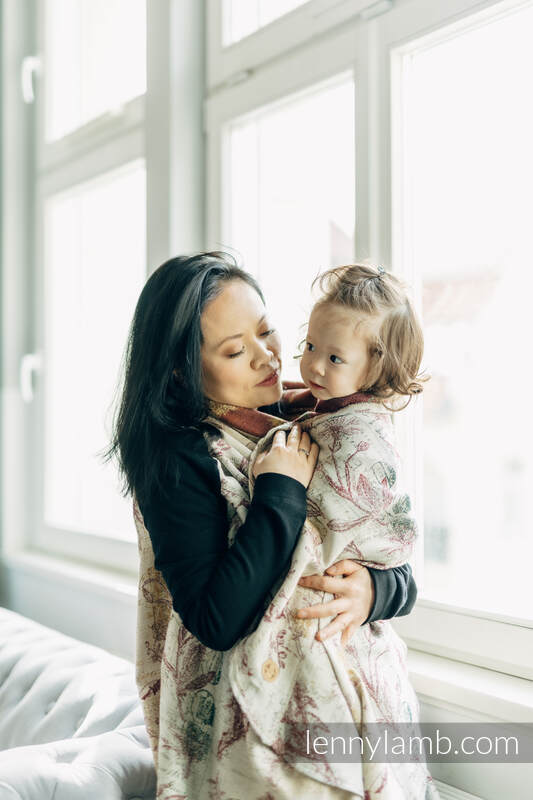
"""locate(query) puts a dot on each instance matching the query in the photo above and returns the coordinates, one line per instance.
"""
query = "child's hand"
(293, 455)
(352, 605)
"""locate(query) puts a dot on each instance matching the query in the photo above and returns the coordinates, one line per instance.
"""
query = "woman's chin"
(269, 394)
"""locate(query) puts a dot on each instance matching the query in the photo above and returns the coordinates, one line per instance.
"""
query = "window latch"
(31, 65)
(30, 364)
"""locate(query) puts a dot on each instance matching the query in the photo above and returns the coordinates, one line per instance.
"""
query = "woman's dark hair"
(162, 373)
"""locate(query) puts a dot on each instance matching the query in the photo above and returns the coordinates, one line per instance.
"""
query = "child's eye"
(335, 360)
(267, 333)
(234, 355)
(310, 347)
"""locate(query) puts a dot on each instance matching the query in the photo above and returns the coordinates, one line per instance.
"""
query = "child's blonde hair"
(396, 352)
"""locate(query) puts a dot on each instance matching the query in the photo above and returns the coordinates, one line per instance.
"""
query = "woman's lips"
(271, 379)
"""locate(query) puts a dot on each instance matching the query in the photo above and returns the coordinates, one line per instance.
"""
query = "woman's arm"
(216, 590)
(395, 592)
(362, 594)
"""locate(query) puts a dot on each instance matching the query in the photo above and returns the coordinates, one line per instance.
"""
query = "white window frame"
(274, 84)
(103, 144)
(233, 62)
(145, 128)
(372, 50)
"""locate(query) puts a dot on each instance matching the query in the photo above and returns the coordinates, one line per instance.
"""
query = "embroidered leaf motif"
(313, 509)
(402, 505)
(361, 447)
(404, 527)
(196, 741)
(237, 727)
(365, 489)
(384, 471)
(338, 525)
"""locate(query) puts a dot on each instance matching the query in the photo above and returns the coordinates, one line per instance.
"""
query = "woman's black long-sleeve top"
(220, 591)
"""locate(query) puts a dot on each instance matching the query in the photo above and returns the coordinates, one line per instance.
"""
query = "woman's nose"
(262, 355)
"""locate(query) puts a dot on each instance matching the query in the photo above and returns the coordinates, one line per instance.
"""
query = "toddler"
(363, 336)
(362, 352)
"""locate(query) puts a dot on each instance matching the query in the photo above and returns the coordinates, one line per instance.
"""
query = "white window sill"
(97, 578)
(470, 689)
(439, 681)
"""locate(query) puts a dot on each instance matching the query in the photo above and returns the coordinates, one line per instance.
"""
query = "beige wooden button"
(270, 670)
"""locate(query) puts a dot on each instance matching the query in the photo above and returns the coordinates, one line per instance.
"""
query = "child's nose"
(317, 367)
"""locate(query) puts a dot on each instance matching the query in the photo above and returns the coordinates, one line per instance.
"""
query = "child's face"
(336, 357)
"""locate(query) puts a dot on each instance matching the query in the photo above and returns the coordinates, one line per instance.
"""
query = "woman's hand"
(353, 602)
(293, 455)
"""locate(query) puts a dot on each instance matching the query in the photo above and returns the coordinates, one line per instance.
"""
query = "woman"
(201, 336)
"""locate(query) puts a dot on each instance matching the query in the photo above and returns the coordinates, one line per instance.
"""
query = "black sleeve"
(395, 592)
(216, 590)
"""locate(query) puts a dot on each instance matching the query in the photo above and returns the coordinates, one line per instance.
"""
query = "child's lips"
(315, 385)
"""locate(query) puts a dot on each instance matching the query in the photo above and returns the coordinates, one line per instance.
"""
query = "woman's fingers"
(287, 456)
(257, 463)
(278, 440)
(313, 455)
(344, 567)
(348, 632)
(298, 439)
(305, 442)
(322, 609)
(355, 597)
(324, 583)
(293, 439)
(339, 624)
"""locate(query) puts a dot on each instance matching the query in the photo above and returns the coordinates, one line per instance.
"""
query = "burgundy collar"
(296, 400)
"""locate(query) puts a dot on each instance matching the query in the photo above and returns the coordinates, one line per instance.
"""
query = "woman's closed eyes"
(264, 335)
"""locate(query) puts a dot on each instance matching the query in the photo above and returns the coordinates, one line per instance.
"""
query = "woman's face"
(241, 353)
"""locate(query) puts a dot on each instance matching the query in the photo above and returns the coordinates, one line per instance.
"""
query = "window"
(436, 169)
(95, 266)
(243, 17)
(291, 199)
(244, 35)
(467, 138)
(90, 179)
(461, 171)
(99, 196)
(95, 59)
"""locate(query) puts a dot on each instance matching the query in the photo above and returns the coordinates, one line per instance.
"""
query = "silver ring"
(301, 450)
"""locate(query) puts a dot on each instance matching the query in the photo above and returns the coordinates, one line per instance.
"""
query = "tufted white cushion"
(71, 723)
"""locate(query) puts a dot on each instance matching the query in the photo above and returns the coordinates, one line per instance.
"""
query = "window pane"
(94, 270)
(95, 59)
(243, 17)
(291, 208)
(469, 129)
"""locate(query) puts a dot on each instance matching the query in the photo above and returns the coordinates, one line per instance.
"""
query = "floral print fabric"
(230, 725)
